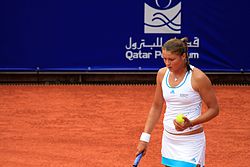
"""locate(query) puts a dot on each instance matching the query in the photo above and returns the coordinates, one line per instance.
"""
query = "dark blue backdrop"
(110, 35)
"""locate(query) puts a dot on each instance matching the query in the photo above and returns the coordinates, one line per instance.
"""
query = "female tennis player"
(182, 87)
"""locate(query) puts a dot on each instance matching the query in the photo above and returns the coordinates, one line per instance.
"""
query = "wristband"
(145, 137)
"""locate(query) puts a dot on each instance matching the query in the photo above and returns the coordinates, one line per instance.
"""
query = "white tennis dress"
(181, 150)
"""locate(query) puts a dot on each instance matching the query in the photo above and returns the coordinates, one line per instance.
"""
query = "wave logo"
(165, 20)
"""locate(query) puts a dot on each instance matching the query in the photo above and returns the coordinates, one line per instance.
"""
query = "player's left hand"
(182, 126)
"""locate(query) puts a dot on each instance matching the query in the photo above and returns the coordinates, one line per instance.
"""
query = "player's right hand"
(142, 147)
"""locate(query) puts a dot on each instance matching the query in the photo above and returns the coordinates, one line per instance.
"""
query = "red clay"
(99, 126)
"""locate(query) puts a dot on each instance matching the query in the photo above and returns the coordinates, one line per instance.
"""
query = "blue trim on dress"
(183, 81)
(176, 163)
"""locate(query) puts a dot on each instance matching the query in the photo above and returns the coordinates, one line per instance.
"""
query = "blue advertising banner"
(62, 35)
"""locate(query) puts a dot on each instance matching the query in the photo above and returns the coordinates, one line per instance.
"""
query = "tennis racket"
(137, 159)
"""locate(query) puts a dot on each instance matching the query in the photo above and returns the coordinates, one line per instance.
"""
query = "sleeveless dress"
(181, 150)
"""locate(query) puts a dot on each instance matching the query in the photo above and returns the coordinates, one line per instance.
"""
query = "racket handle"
(137, 159)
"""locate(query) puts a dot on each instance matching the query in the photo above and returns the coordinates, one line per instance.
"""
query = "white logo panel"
(162, 21)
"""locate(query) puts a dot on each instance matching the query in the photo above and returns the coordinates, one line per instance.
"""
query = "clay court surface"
(99, 126)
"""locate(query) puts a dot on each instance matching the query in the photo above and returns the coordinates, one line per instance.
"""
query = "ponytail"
(185, 41)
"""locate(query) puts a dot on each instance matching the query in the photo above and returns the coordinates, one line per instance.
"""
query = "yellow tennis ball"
(179, 118)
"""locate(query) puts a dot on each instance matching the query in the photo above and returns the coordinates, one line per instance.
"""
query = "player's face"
(173, 61)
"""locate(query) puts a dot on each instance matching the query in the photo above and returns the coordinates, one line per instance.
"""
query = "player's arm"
(154, 112)
(203, 85)
(156, 108)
